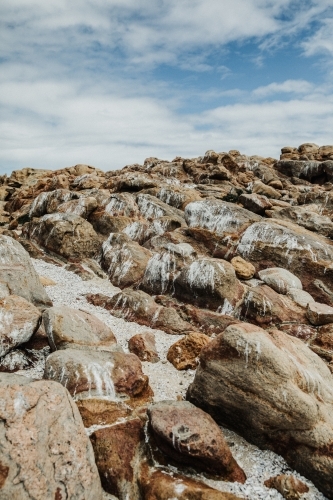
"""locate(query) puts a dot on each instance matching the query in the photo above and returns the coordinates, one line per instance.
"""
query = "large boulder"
(45, 453)
(19, 320)
(210, 283)
(124, 260)
(274, 391)
(219, 216)
(71, 328)
(65, 234)
(190, 436)
(307, 216)
(18, 273)
(48, 202)
(273, 243)
(152, 208)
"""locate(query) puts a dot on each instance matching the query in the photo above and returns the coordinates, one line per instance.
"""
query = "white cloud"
(288, 87)
(321, 41)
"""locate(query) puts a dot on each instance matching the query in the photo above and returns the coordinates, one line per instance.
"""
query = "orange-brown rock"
(160, 485)
(118, 450)
(244, 270)
(184, 353)
(190, 436)
(144, 346)
(290, 487)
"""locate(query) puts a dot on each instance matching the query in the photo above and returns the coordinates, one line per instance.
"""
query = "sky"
(111, 82)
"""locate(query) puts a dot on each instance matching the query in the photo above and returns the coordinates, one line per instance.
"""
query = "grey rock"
(18, 273)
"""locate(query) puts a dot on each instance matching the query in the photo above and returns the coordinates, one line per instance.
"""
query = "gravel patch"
(168, 383)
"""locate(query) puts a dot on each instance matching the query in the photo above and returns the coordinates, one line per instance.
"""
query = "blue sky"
(111, 82)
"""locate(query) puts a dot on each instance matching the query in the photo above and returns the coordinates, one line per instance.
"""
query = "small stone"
(184, 353)
(289, 487)
(244, 270)
(319, 314)
(46, 281)
(144, 346)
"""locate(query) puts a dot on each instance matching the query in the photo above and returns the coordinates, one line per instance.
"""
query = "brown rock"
(124, 260)
(244, 270)
(65, 234)
(81, 207)
(75, 329)
(160, 485)
(45, 453)
(144, 346)
(209, 283)
(272, 243)
(138, 306)
(274, 391)
(97, 374)
(184, 353)
(118, 450)
(319, 314)
(191, 437)
(290, 487)
(255, 203)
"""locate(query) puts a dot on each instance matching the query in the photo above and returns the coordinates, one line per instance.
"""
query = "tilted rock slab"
(18, 273)
(190, 436)
(45, 453)
(19, 320)
(70, 328)
(274, 391)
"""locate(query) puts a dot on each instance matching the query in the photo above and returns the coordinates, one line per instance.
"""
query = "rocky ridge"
(123, 293)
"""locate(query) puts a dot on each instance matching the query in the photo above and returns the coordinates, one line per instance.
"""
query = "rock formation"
(228, 256)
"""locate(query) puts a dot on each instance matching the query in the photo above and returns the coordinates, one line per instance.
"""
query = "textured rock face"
(19, 320)
(219, 217)
(65, 234)
(118, 450)
(97, 374)
(140, 307)
(17, 272)
(144, 346)
(190, 436)
(45, 453)
(184, 353)
(289, 487)
(280, 279)
(309, 257)
(273, 390)
(124, 260)
(71, 328)
(210, 283)
(161, 486)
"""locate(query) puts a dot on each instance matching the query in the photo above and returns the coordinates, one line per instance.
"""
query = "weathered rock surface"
(71, 328)
(286, 245)
(184, 353)
(191, 437)
(45, 453)
(138, 306)
(289, 487)
(65, 234)
(319, 314)
(17, 272)
(280, 279)
(275, 392)
(210, 283)
(97, 374)
(144, 346)
(160, 485)
(244, 270)
(118, 450)
(124, 260)
(19, 320)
